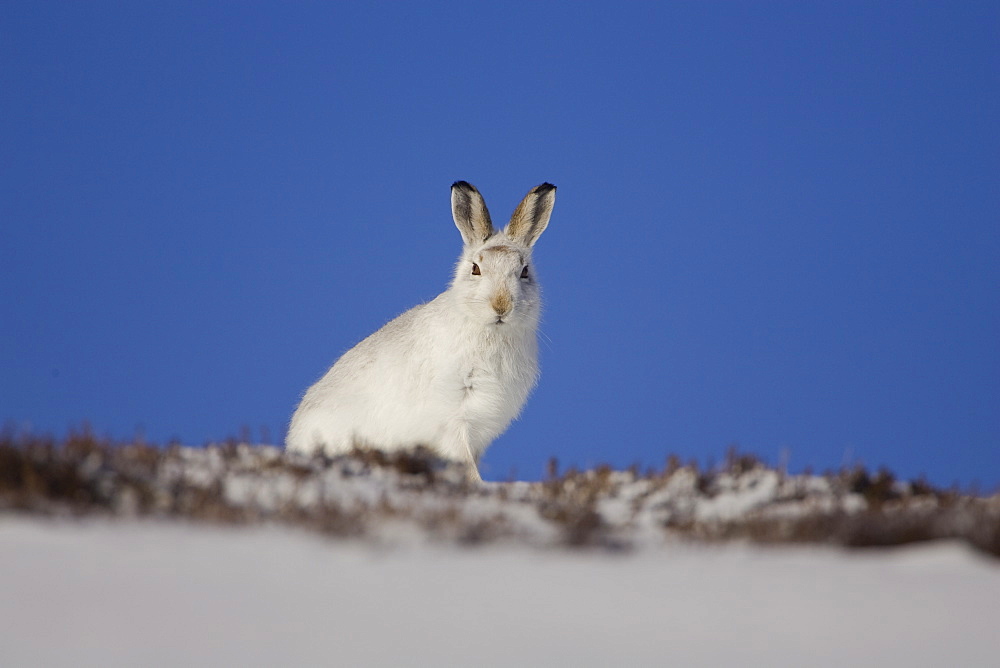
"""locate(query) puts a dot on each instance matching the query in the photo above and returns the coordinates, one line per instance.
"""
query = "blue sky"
(777, 223)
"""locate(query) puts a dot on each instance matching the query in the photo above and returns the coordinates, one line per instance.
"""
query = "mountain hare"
(450, 374)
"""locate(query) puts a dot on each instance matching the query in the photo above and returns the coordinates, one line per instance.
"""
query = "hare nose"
(502, 303)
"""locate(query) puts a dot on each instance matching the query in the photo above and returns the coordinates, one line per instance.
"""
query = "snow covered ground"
(168, 593)
(246, 556)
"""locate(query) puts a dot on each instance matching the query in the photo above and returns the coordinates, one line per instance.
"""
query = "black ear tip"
(462, 185)
(544, 188)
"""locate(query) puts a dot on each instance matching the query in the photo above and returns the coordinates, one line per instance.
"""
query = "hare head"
(495, 280)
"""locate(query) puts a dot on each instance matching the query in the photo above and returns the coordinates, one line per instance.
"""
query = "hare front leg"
(457, 444)
(472, 473)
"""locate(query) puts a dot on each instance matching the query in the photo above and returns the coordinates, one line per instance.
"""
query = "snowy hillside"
(242, 555)
(145, 594)
(413, 498)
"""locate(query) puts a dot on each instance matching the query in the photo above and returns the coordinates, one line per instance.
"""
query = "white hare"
(450, 374)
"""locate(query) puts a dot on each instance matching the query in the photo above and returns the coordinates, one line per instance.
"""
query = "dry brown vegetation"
(414, 496)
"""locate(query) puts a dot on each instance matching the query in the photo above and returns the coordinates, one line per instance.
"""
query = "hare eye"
(524, 272)
(475, 269)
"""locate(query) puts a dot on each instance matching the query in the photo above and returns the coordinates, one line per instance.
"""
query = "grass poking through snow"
(414, 497)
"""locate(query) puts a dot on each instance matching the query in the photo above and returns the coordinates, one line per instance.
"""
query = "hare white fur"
(450, 374)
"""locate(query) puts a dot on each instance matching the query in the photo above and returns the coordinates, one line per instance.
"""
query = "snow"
(192, 557)
(158, 593)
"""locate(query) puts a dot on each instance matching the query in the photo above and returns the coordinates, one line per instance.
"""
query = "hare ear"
(532, 215)
(470, 214)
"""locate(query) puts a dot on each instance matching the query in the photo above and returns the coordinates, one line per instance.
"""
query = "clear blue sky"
(778, 224)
